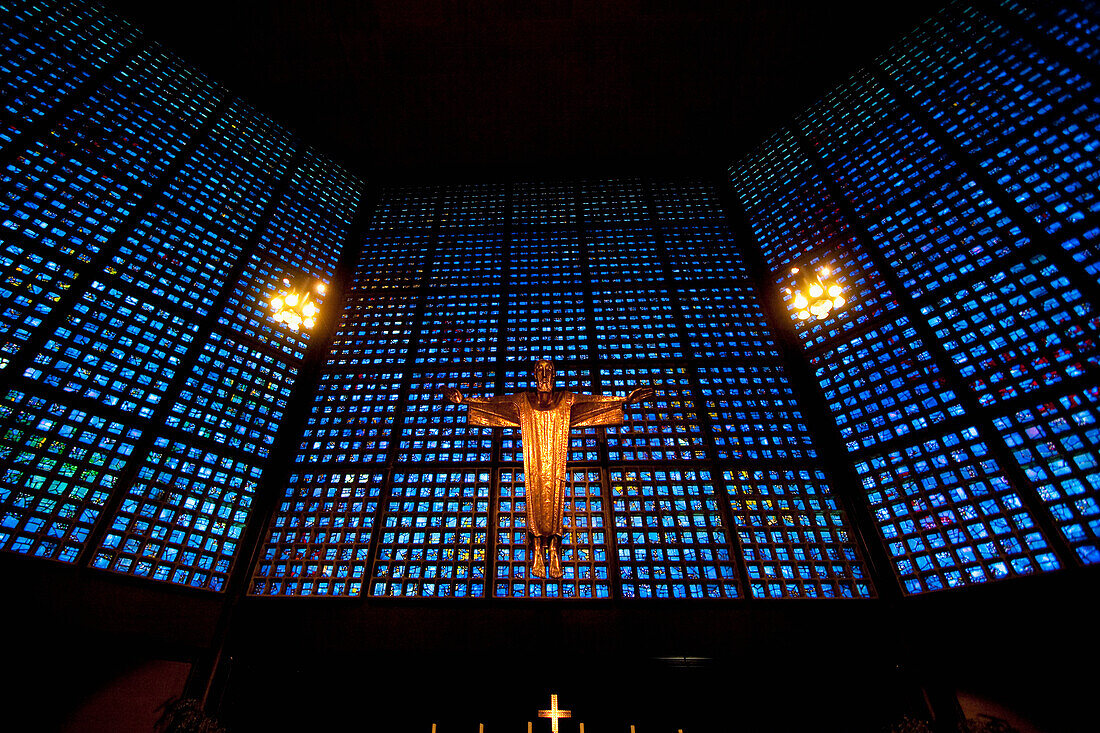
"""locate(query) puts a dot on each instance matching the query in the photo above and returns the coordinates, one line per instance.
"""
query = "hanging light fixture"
(294, 307)
(817, 293)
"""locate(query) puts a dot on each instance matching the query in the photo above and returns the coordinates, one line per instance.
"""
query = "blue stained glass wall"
(624, 283)
(146, 220)
(951, 186)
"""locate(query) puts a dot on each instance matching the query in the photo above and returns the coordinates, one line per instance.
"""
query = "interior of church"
(628, 368)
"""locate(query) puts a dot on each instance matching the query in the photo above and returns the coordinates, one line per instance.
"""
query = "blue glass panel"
(948, 515)
(465, 259)
(663, 428)
(320, 535)
(727, 323)
(754, 414)
(795, 540)
(546, 325)
(669, 534)
(433, 536)
(30, 286)
(544, 203)
(374, 331)
(181, 521)
(235, 395)
(883, 385)
(1057, 444)
(352, 418)
(459, 328)
(117, 349)
(635, 324)
(433, 429)
(1017, 330)
(60, 466)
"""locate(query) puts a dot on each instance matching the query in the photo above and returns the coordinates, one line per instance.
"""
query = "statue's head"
(543, 373)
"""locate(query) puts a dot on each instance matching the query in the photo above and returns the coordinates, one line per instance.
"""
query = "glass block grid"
(352, 418)
(220, 188)
(235, 396)
(474, 205)
(253, 139)
(876, 152)
(1085, 250)
(867, 297)
(944, 233)
(702, 251)
(374, 331)
(693, 201)
(64, 201)
(39, 70)
(635, 324)
(949, 516)
(327, 187)
(182, 519)
(115, 348)
(754, 414)
(1017, 330)
(546, 325)
(669, 535)
(663, 428)
(470, 259)
(60, 466)
(406, 207)
(172, 256)
(545, 259)
(726, 323)
(883, 385)
(434, 429)
(1056, 444)
(299, 233)
(1000, 99)
(393, 259)
(320, 535)
(613, 201)
(247, 311)
(31, 283)
(1069, 25)
(584, 551)
(623, 255)
(794, 538)
(787, 204)
(459, 328)
(140, 119)
(433, 536)
(535, 203)
(583, 442)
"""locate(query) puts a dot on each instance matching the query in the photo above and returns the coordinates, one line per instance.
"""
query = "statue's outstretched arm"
(487, 412)
(641, 394)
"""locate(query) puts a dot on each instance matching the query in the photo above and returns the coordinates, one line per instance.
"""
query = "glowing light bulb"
(800, 300)
(278, 317)
(293, 326)
(816, 290)
(834, 291)
(825, 272)
(794, 270)
(309, 309)
(803, 315)
(837, 302)
(292, 300)
(308, 323)
(277, 303)
(320, 288)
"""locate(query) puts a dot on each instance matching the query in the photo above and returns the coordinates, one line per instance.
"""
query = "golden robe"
(545, 433)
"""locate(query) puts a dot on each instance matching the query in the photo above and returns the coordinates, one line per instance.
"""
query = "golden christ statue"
(544, 418)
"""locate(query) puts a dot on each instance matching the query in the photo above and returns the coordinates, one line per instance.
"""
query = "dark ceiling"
(425, 90)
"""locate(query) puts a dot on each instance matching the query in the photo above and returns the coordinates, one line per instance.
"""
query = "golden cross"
(553, 713)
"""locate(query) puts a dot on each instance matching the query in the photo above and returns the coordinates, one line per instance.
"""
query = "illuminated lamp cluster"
(822, 296)
(294, 307)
